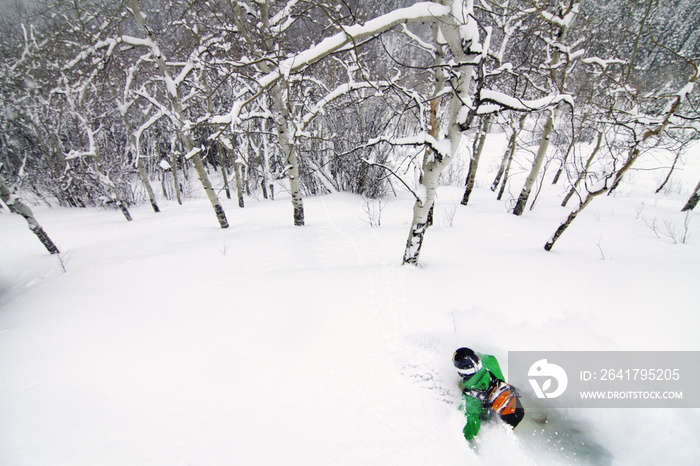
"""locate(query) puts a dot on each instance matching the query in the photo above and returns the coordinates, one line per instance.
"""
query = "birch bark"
(474, 162)
(179, 118)
(536, 164)
(18, 207)
(693, 201)
(503, 169)
(283, 122)
(461, 20)
(564, 23)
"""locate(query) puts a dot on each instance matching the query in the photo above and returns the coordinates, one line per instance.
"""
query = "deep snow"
(169, 341)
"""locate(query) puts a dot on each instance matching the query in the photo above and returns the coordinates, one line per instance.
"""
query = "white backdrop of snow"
(170, 341)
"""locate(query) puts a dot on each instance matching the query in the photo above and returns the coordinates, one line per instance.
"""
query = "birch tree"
(504, 167)
(645, 111)
(278, 92)
(15, 205)
(99, 171)
(561, 22)
(124, 103)
(508, 21)
(468, 99)
(477, 150)
(276, 79)
(177, 116)
(651, 127)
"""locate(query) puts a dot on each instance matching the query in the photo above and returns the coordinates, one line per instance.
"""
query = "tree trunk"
(16, 206)
(505, 175)
(421, 213)
(111, 187)
(213, 200)
(147, 184)
(572, 216)
(582, 175)
(631, 158)
(176, 106)
(693, 201)
(239, 184)
(476, 156)
(174, 168)
(223, 160)
(560, 82)
(133, 142)
(536, 165)
(282, 124)
(670, 172)
(508, 154)
(434, 163)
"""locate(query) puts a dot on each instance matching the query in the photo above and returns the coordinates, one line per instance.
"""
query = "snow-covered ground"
(168, 341)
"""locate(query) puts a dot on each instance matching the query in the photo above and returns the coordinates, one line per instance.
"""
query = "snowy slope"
(169, 341)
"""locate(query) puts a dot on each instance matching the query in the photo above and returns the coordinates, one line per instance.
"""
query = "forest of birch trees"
(116, 103)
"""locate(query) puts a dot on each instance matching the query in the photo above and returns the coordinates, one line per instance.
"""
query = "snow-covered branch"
(350, 35)
(494, 101)
(338, 92)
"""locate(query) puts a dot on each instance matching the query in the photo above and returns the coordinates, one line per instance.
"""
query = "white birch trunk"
(18, 207)
(177, 109)
(282, 125)
(434, 162)
(134, 149)
(175, 169)
(536, 165)
(554, 63)
(476, 156)
(147, 184)
(508, 155)
(693, 201)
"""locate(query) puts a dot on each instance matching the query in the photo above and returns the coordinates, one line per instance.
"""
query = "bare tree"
(561, 22)
(650, 131)
(176, 114)
(504, 167)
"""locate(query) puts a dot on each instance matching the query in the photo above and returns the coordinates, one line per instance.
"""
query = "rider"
(485, 392)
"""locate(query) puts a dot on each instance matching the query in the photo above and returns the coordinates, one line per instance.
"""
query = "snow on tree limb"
(563, 21)
(350, 35)
(493, 101)
(194, 151)
(280, 22)
(338, 92)
(603, 63)
(428, 47)
(443, 147)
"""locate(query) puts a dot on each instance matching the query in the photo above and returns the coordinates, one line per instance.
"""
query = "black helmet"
(467, 362)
